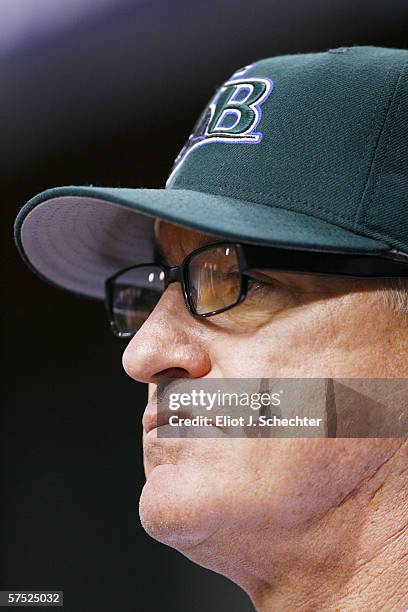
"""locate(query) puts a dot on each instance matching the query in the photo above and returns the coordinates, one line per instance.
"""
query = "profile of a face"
(276, 515)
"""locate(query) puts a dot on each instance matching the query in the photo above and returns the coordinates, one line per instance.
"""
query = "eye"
(267, 292)
(256, 285)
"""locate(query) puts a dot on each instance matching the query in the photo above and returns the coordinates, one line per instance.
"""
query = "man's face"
(201, 494)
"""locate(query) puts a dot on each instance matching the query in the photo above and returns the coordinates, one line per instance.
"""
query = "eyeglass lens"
(214, 279)
(135, 293)
(213, 284)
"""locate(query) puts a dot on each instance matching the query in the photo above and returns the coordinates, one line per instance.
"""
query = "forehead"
(175, 242)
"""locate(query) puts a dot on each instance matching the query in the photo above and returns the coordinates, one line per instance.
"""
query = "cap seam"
(364, 206)
(356, 181)
(283, 198)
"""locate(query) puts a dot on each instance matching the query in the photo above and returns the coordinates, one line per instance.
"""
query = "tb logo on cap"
(231, 117)
(236, 110)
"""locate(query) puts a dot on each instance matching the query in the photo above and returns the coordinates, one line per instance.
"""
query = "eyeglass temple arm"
(310, 262)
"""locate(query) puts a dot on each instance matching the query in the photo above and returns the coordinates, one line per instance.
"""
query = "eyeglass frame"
(390, 264)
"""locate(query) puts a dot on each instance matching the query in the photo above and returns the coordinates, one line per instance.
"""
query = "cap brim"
(76, 237)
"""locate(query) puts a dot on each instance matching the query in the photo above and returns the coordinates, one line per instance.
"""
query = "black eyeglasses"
(214, 278)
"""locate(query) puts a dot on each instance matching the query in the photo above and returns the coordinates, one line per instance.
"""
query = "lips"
(152, 417)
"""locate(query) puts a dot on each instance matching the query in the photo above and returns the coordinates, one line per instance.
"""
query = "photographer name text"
(249, 421)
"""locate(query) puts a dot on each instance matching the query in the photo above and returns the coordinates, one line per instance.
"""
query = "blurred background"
(105, 92)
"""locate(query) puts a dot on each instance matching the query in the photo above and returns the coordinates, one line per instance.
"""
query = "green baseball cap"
(305, 152)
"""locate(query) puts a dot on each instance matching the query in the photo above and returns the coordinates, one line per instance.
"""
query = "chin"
(175, 507)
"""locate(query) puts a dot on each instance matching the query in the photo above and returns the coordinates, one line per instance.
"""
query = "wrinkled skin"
(300, 524)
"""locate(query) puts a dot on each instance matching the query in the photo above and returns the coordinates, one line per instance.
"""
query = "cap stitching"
(395, 112)
(254, 214)
(273, 194)
(366, 149)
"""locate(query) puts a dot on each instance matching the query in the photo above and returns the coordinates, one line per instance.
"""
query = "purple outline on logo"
(248, 137)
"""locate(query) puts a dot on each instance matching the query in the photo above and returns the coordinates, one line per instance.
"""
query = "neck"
(376, 584)
(356, 559)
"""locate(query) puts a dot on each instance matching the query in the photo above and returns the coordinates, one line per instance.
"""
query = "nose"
(169, 344)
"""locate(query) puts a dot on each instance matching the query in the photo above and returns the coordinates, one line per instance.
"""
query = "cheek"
(326, 339)
(286, 347)
(295, 482)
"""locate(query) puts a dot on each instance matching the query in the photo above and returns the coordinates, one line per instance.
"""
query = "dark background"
(105, 93)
